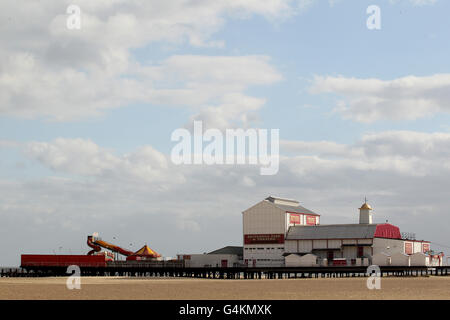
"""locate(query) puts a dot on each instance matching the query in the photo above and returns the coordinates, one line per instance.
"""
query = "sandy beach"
(434, 288)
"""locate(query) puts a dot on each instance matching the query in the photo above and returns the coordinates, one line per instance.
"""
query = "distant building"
(280, 232)
(225, 257)
(266, 225)
(276, 228)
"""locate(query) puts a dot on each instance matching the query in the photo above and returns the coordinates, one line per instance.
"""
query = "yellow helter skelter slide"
(97, 243)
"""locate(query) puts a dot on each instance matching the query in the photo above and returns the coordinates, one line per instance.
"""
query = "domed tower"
(365, 214)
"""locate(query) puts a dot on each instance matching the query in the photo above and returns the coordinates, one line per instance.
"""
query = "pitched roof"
(275, 199)
(332, 231)
(229, 250)
(146, 252)
(295, 209)
(288, 205)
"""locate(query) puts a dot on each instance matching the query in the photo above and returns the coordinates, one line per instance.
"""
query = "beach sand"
(182, 288)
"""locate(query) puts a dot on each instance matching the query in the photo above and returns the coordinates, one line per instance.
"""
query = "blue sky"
(70, 121)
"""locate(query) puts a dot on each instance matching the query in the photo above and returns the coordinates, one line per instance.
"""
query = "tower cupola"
(365, 214)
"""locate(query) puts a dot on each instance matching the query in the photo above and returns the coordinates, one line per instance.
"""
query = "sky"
(86, 117)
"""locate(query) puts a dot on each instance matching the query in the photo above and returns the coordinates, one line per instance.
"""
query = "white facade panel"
(286, 202)
(211, 260)
(419, 259)
(319, 244)
(400, 259)
(389, 246)
(436, 260)
(263, 255)
(294, 260)
(304, 245)
(350, 252)
(334, 244)
(264, 218)
(417, 247)
(381, 259)
(291, 246)
(349, 241)
(297, 217)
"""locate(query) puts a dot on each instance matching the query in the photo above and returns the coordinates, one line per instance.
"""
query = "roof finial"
(365, 199)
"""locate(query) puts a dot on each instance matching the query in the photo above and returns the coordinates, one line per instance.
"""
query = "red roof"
(386, 230)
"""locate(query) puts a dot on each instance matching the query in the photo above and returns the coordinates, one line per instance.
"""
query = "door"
(330, 256)
(224, 263)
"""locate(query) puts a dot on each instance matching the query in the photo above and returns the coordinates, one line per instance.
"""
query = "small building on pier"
(226, 257)
(381, 259)
(296, 260)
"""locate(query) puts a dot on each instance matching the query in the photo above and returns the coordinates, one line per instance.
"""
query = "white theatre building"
(280, 232)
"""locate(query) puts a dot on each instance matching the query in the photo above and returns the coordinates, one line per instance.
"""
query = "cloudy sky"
(86, 117)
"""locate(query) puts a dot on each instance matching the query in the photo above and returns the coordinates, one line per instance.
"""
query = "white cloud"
(85, 158)
(51, 72)
(75, 156)
(403, 173)
(416, 2)
(404, 153)
(8, 144)
(198, 82)
(368, 100)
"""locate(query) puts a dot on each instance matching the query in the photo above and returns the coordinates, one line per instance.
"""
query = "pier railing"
(173, 269)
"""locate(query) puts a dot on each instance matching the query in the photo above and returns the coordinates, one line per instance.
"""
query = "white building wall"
(304, 245)
(288, 220)
(291, 246)
(417, 247)
(213, 260)
(261, 255)
(436, 261)
(319, 244)
(294, 260)
(334, 244)
(389, 246)
(381, 259)
(419, 259)
(286, 202)
(400, 259)
(264, 218)
(350, 252)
